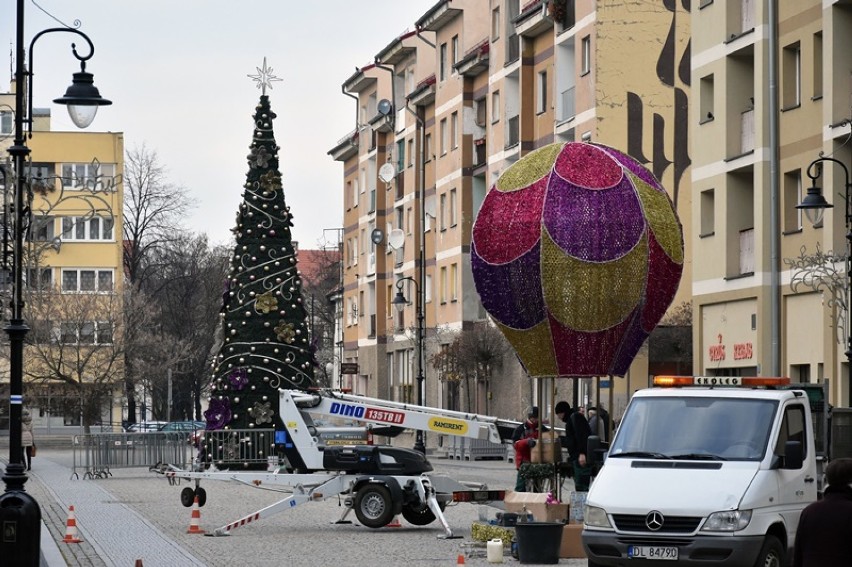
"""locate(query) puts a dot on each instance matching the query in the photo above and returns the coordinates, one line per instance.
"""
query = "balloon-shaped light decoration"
(577, 253)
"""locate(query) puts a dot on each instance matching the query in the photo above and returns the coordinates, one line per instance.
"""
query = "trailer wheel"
(772, 554)
(420, 515)
(187, 497)
(202, 496)
(374, 506)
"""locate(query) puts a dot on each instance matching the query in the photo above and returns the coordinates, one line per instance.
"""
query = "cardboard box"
(536, 504)
(572, 544)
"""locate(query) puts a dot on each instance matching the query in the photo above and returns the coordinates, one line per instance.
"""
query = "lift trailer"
(378, 482)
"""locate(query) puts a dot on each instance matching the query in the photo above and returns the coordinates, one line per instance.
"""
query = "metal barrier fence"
(97, 453)
(462, 448)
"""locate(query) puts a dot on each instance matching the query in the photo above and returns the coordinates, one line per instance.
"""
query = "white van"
(704, 476)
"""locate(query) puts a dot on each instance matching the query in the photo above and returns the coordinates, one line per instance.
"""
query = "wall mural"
(667, 65)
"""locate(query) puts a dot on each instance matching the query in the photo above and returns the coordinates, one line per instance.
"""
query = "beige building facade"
(760, 308)
(475, 87)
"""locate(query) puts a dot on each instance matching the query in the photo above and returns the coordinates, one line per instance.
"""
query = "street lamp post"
(400, 302)
(815, 205)
(20, 515)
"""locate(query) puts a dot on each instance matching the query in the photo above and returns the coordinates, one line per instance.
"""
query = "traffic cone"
(394, 523)
(460, 560)
(71, 528)
(194, 527)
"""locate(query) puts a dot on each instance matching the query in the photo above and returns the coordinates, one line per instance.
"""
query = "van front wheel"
(771, 554)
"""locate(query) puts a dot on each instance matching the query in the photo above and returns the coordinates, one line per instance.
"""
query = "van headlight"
(596, 517)
(727, 521)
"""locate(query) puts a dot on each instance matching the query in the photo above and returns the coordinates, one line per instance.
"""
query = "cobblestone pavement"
(137, 515)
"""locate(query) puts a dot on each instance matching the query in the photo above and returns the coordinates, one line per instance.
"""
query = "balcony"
(533, 21)
(512, 132)
(358, 81)
(346, 147)
(438, 16)
(424, 93)
(475, 61)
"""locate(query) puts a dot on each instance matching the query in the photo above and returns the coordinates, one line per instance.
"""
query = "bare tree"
(187, 292)
(153, 209)
(76, 342)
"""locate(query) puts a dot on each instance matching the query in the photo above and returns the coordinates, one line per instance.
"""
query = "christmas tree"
(264, 341)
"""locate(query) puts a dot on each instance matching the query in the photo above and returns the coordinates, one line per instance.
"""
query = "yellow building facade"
(73, 273)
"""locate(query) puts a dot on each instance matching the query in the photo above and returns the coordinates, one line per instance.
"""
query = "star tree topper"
(264, 77)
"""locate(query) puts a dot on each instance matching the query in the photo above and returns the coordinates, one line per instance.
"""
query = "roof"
(312, 262)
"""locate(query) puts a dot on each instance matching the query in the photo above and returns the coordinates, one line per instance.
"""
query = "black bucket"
(539, 542)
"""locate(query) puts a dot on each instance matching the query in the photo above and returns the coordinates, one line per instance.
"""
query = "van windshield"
(695, 429)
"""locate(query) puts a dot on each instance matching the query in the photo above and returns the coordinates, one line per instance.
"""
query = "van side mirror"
(793, 455)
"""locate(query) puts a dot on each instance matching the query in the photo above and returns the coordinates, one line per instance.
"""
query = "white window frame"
(98, 274)
(586, 53)
(541, 98)
(86, 176)
(80, 229)
(453, 208)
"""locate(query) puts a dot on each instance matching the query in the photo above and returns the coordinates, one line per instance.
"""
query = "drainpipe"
(419, 30)
(774, 208)
(393, 90)
(343, 90)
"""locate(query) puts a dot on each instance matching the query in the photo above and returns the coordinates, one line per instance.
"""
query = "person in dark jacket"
(523, 440)
(575, 440)
(824, 535)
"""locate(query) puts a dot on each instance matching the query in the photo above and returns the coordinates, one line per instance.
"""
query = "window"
(411, 152)
(454, 129)
(444, 136)
(82, 228)
(7, 120)
(453, 218)
(89, 176)
(360, 304)
(706, 94)
(428, 292)
(355, 251)
(454, 277)
(792, 197)
(817, 65)
(348, 195)
(38, 278)
(355, 192)
(495, 24)
(442, 69)
(792, 429)
(86, 280)
(454, 52)
(708, 212)
(541, 99)
(495, 106)
(481, 112)
(43, 228)
(791, 76)
(443, 284)
(442, 212)
(428, 148)
(409, 214)
(587, 55)
(400, 156)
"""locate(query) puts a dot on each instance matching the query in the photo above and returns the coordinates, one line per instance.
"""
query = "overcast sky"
(176, 72)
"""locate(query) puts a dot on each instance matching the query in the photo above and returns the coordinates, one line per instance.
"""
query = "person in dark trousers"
(824, 535)
(523, 440)
(575, 440)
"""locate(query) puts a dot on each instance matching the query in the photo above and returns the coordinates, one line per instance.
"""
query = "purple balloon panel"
(511, 293)
(581, 221)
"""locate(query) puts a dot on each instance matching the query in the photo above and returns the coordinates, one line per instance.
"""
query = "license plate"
(652, 552)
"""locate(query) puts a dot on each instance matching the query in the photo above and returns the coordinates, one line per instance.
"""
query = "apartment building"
(72, 270)
(758, 307)
(442, 111)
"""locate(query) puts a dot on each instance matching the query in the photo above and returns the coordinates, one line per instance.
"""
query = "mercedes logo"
(654, 520)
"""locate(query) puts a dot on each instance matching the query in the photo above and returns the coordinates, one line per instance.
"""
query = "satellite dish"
(396, 238)
(377, 236)
(385, 107)
(387, 172)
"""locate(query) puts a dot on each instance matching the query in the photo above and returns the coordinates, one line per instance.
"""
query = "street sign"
(349, 368)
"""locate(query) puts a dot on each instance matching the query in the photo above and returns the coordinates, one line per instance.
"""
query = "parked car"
(187, 426)
(145, 426)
